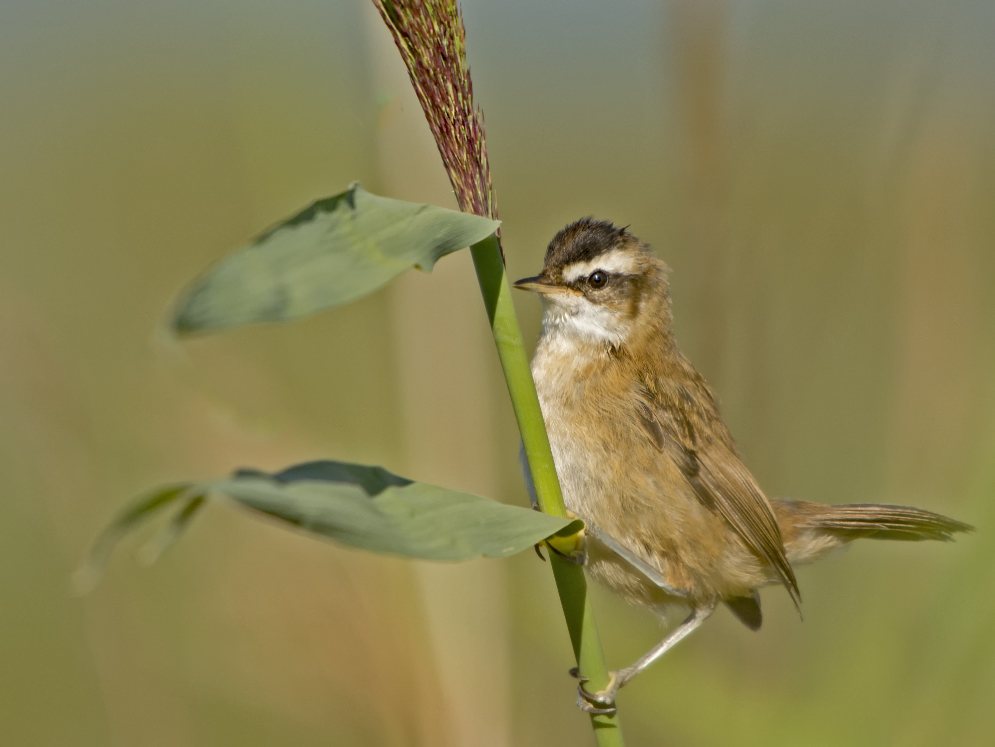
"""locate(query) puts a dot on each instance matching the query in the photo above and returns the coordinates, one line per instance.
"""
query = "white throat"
(572, 320)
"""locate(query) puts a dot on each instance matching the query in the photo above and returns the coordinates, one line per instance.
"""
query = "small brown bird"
(672, 515)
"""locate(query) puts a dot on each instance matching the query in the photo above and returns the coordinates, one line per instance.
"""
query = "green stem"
(570, 581)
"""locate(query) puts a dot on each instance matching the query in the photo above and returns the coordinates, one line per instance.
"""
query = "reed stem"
(570, 581)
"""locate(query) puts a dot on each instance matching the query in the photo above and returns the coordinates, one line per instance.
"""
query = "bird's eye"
(598, 279)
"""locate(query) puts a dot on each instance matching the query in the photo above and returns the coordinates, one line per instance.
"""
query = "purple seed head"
(432, 42)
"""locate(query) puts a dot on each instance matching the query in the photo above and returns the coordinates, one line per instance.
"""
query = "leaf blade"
(355, 505)
(416, 520)
(333, 252)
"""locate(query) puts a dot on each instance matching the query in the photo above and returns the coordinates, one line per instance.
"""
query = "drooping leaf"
(129, 519)
(353, 504)
(337, 250)
(174, 529)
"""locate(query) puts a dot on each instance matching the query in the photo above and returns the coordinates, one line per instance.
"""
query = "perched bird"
(672, 515)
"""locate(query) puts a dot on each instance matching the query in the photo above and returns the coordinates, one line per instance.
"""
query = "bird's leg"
(640, 565)
(603, 701)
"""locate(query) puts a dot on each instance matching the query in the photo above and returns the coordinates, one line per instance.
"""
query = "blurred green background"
(821, 179)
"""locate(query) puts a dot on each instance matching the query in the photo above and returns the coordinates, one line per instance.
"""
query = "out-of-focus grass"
(819, 177)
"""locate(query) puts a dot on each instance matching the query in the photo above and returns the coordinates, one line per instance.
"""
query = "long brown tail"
(813, 529)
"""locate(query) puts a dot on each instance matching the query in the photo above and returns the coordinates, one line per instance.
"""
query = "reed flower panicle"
(432, 40)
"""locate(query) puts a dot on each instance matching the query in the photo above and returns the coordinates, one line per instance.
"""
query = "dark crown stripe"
(584, 241)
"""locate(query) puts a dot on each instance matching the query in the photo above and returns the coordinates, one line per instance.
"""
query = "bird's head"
(600, 284)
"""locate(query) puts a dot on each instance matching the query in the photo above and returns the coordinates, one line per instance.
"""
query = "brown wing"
(687, 427)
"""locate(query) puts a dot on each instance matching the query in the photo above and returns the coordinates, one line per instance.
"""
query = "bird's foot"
(601, 703)
(577, 556)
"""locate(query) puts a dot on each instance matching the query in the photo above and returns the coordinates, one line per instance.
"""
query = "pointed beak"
(538, 284)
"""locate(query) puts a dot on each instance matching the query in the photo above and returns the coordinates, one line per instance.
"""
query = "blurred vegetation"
(820, 177)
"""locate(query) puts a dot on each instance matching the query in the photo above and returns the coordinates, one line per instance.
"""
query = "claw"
(575, 673)
(601, 702)
(587, 707)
